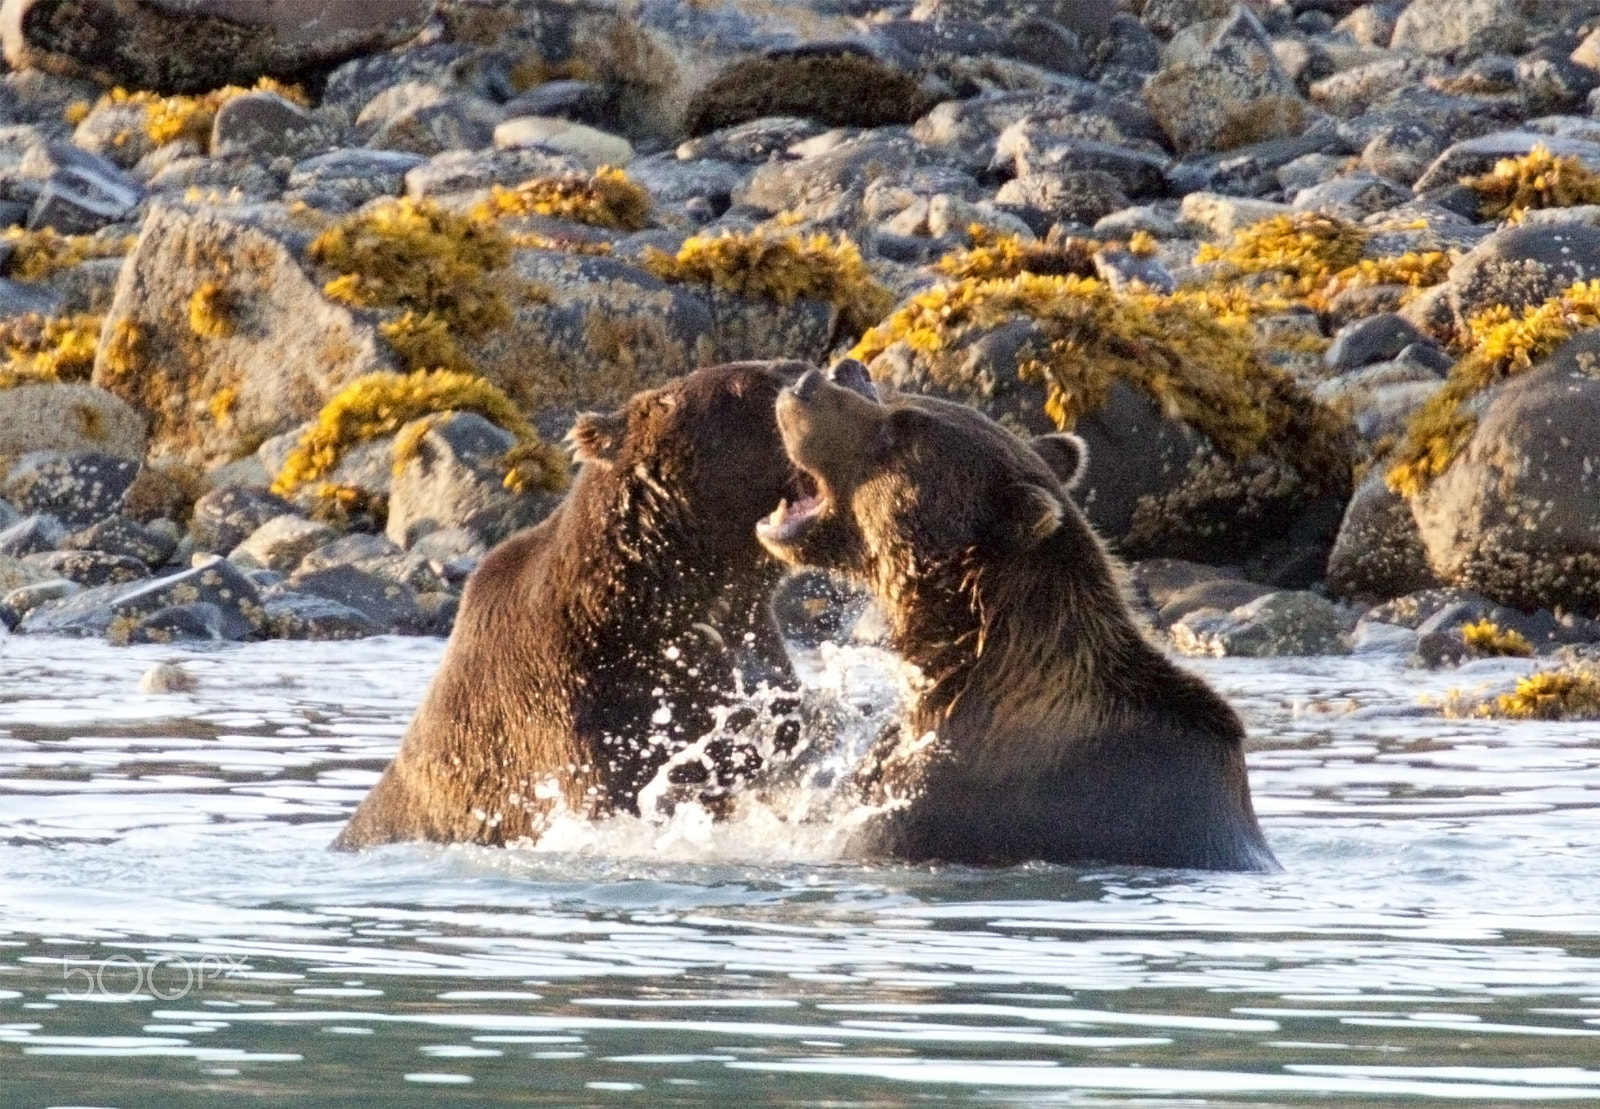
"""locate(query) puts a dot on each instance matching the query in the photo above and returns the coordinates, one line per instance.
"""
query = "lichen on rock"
(48, 348)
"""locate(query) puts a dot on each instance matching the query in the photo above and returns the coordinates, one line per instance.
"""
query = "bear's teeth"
(778, 513)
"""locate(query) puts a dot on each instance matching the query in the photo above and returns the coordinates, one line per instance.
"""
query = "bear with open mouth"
(1045, 725)
(593, 647)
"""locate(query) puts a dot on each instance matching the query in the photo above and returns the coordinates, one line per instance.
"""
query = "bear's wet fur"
(1044, 725)
(594, 645)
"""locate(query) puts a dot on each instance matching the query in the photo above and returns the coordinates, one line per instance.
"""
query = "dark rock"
(1167, 17)
(224, 518)
(1518, 267)
(114, 610)
(19, 298)
(1378, 553)
(78, 488)
(118, 535)
(1353, 91)
(341, 180)
(1070, 196)
(1479, 155)
(389, 604)
(1277, 624)
(264, 125)
(82, 192)
(1374, 339)
(197, 45)
(1139, 173)
(1251, 169)
(90, 568)
(1514, 516)
(31, 535)
(17, 603)
(199, 620)
(373, 554)
(965, 132)
(1403, 151)
(581, 101)
(430, 123)
(455, 478)
(948, 49)
(1552, 84)
(8, 515)
(841, 85)
(281, 543)
(1353, 196)
(1428, 355)
(292, 615)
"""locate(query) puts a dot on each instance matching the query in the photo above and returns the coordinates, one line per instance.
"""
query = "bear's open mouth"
(791, 518)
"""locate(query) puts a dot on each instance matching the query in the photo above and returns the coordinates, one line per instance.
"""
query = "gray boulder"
(196, 45)
(343, 180)
(389, 604)
(1378, 553)
(1226, 89)
(115, 610)
(264, 125)
(224, 518)
(82, 192)
(90, 568)
(281, 543)
(1278, 624)
(1518, 267)
(30, 535)
(1460, 29)
(291, 615)
(455, 478)
(1514, 517)
(118, 535)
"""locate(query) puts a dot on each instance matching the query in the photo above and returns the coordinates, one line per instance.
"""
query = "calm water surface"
(173, 933)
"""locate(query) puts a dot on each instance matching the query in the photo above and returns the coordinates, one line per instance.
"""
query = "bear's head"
(911, 483)
(702, 450)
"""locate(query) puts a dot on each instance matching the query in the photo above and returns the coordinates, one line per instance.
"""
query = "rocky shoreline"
(294, 308)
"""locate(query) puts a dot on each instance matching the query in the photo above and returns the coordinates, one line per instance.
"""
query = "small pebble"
(168, 677)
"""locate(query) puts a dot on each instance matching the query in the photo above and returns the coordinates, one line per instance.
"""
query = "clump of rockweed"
(779, 268)
(38, 255)
(1568, 692)
(1308, 258)
(1501, 343)
(607, 198)
(380, 404)
(1198, 368)
(1487, 638)
(1537, 179)
(48, 348)
(170, 118)
(994, 255)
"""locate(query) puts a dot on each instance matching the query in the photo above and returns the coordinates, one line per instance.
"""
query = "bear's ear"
(1065, 453)
(597, 437)
(1027, 515)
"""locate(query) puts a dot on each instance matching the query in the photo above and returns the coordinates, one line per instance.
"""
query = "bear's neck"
(1041, 639)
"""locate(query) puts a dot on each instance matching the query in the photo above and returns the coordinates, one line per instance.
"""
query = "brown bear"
(592, 647)
(1045, 725)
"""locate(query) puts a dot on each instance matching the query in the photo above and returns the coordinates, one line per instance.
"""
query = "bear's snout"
(808, 386)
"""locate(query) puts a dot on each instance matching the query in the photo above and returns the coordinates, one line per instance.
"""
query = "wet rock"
(437, 612)
(118, 535)
(1460, 28)
(1226, 90)
(1173, 587)
(281, 543)
(280, 350)
(91, 568)
(17, 603)
(1378, 553)
(31, 535)
(114, 610)
(1514, 516)
(224, 518)
(189, 46)
(78, 488)
(389, 604)
(455, 478)
(265, 125)
(82, 192)
(1374, 339)
(197, 621)
(1518, 267)
(1278, 624)
(291, 615)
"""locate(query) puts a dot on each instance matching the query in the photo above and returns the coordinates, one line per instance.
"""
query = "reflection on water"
(173, 934)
